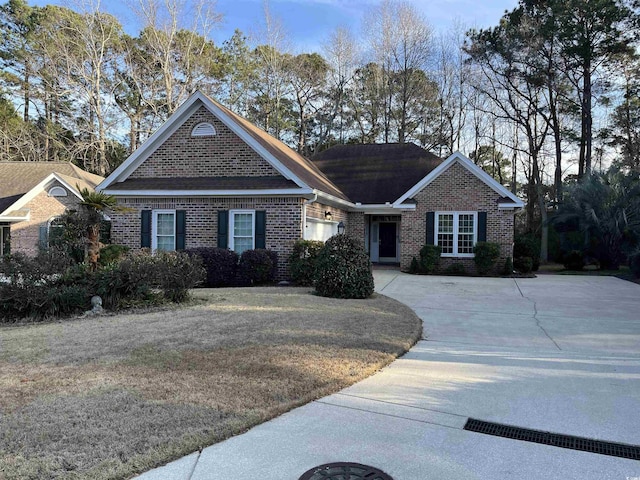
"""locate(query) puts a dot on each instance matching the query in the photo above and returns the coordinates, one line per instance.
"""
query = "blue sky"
(309, 22)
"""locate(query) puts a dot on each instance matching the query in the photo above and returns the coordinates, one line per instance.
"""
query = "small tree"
(94, 205)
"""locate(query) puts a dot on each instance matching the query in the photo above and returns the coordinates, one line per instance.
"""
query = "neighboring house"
(32, 196)
(208, 177)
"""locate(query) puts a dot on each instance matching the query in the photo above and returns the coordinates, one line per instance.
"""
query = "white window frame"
(232, 221)
(154, 228)
(57, 191)
(456, 223)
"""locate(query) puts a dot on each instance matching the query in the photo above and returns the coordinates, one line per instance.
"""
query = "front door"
(387, 239)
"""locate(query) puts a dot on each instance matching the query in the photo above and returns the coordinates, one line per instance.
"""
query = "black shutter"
(482, 226)
(223, 228)
(431, 225)
(261, 229)
(145, 229)
(181, 227)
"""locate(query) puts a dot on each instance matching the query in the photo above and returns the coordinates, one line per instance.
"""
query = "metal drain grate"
(555, 439)
(344, 471)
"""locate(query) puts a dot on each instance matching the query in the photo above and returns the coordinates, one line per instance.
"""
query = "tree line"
(543, 98)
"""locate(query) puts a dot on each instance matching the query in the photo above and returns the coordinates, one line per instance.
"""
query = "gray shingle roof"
(376, 173)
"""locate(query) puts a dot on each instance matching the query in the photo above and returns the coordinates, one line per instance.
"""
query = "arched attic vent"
(203, 129)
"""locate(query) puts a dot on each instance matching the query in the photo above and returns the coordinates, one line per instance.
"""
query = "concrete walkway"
(554, 353)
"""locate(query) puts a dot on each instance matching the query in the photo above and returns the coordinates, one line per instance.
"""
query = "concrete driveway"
(554, 353)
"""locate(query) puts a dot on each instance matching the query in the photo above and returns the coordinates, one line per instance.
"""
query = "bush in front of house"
(303, 259)
(112, 253)
(523, 264)
(573, 260)
(34, 289)
(221, 265)
(257, 267)
(527, 245)
(429, 258)
(343, 269)
(508, 267)
(486, 255)
(455, 269)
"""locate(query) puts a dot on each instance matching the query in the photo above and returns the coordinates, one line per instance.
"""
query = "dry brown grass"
(112, 396)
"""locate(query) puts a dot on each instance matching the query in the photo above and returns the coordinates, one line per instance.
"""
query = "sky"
(309, 22)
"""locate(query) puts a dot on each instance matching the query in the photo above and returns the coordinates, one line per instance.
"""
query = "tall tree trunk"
(587, 117)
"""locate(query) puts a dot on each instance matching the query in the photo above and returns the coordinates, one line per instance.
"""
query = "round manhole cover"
(344, 471)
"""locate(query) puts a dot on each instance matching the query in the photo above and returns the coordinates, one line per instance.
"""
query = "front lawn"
(112, 396)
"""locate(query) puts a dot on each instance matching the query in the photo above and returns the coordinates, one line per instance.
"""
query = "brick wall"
(457, 189)
(317, 210)
(25, 236)
(284, 221)
(355, 226)
(223, 154)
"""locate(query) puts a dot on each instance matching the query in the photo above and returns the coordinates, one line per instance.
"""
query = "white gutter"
(304, 213)
(209, 193)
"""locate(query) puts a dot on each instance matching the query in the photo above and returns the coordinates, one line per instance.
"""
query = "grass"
(113, 396)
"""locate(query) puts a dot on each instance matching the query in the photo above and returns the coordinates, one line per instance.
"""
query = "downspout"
(304, 213)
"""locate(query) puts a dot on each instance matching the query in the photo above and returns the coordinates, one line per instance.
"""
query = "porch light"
(341, 228)
(328, 215)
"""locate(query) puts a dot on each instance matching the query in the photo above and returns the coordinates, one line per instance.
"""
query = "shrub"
(343, 269)
(302, 261)
(220, 264)
(429, 258)
(486, 255)
(523, 264)
(257, 267)
(455, 269)
(414, 267)
(573, 260)
(112, 253)
(508, 267)
(527, 245)
(35, 288)
(634, 263)
(176, 273)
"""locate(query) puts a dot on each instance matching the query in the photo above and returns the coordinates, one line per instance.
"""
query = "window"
(203, 129)
(164, 230)
(241, 230)
(456, 233)
(57, 192)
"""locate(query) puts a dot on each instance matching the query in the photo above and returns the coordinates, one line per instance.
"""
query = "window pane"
(242, 244)
(243, 224)
(465, 243)
(166, 224)
(166, 243)
(465, 223)
(445, 223)
(445, 240)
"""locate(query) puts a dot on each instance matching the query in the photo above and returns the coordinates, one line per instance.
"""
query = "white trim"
(39, 188)
(154, 227)
(203, 129)
(333, 200)
(383, 209)
(232, 219)
(210, 193)
(456, 233)
(175, 121)
(458, 157)
(16, 219)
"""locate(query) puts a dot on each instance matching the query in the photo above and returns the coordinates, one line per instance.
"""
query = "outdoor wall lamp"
(341, 228)
(328, 215)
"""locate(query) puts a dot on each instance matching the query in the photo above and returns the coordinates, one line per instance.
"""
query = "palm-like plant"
(94, 205)
(606, 207)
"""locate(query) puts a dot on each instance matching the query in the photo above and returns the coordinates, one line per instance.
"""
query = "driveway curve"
(553, 353)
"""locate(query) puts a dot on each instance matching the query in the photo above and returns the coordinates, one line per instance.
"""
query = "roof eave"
(301, 192)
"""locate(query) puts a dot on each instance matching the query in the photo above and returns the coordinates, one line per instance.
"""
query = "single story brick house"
(208, 177)
(32, 196)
